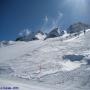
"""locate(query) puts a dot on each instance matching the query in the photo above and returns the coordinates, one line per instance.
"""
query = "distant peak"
(77, 27)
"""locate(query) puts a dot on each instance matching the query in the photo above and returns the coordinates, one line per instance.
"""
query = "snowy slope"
(53, 62)
(16, 85)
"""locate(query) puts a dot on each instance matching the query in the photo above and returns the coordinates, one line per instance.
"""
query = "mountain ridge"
(75, 28)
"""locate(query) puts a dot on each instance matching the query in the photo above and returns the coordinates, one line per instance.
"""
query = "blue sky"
(17, 15)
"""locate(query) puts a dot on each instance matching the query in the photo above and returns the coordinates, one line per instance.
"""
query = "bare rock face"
(55, 33)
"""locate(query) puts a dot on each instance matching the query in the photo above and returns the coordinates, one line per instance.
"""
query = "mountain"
(55, 33)
(77, 27)
(26, 37)
(51, 64)
(40, 35)
(74, 29)
(6, 43)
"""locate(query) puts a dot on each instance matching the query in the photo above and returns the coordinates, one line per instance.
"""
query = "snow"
(19, 86)
(43, 62)
(70, 65)
(40, 36)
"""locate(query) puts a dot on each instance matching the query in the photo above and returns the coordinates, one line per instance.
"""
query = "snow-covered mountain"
(52, 64)
(40, 35)
(32, 36)
(73, 30)
(6, 43)
(26, 37)
(77, 27)
(55, 33)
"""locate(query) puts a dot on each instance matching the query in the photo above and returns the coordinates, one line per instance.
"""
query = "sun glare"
(78, 6)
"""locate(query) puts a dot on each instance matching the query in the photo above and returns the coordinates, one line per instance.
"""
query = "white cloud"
(46, 18)
(55, 22)
(60, 14)
(51, 23)
(45, 23)
(25, 32)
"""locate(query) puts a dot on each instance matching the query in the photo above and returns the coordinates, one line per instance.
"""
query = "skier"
(84, 31)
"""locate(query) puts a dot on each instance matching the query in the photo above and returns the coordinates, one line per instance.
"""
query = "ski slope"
(57, 63)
